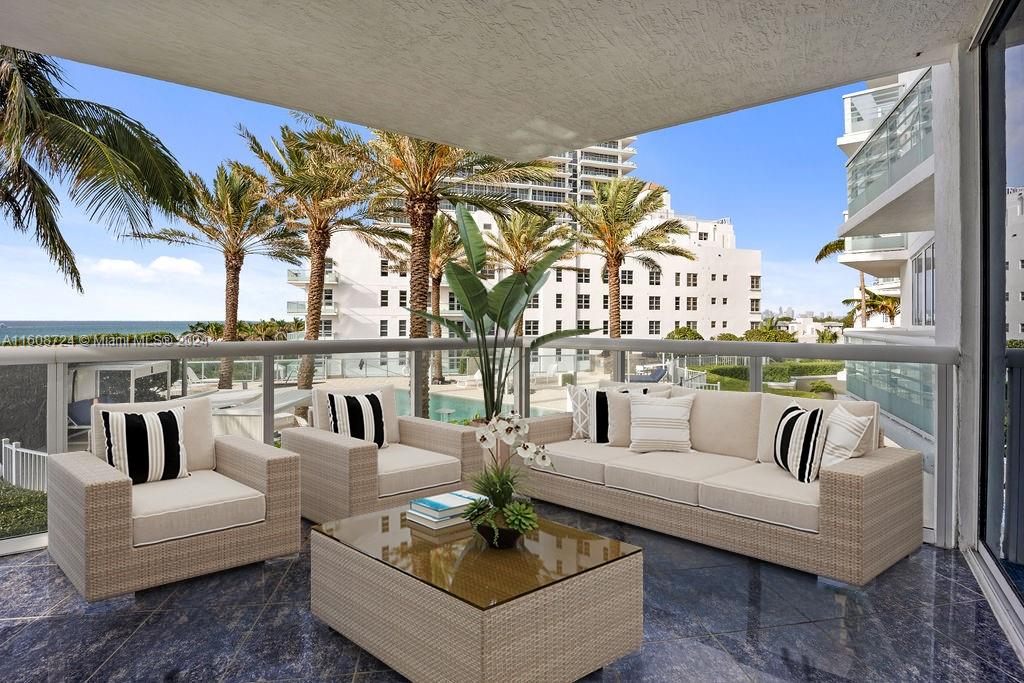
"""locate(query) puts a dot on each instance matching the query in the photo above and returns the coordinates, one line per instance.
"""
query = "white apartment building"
(719, 291)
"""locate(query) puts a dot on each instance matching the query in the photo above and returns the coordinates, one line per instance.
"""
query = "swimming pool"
(464, 408)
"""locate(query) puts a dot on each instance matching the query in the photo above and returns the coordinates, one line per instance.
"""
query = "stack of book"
(440, 511)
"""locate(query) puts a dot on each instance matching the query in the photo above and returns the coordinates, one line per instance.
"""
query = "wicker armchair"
(343, 476)
(111, 538)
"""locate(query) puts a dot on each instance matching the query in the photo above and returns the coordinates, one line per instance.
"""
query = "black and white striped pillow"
(146, 446)
(360, 416)
(799, 442)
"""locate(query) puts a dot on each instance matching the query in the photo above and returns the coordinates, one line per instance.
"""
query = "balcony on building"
(298, 308)
(300, 276)
(878, 255)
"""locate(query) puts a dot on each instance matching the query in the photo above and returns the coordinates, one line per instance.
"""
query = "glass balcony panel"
(863, 243)
(896, 147)
(23, 451)
(552, 370)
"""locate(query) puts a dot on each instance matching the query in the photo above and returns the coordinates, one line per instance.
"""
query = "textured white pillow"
(579, 406)
(843, 433)
(660, 424)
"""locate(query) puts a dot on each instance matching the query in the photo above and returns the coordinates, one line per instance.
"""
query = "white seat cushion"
(582, 459)
(402, 468)
(202, 502)
(766, 492)
(672, 476)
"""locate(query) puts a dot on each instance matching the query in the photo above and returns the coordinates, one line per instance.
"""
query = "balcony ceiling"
(519, 79)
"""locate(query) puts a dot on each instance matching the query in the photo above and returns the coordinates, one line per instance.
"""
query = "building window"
(531, 327)
(677, 279)
(675, 325)
(725, 324)
(604, 327)
(1022, 264)
(712, 324)
(692, 324)
(654, 327)
(403, 298)
(691, 303)
(584, 324)
(558, 326)
(558, 274)
(487, 274)
(626, 277)
(625, 327)
(383, 328)
(604, 301)
(714, 276)
(691, 279)
(604, 275)
(713, 300)
(678, 300)
(754, 325)
(626, 302)
(725, 277)
(755, 305)
(702, 236)
(755, 282)
(383, 298)
(654, 303)
(1021, 330)
(583, 276)
(327, 329)
(922, 286)
(453, 303)
(725, 300)
(582, 301)
(654, 277)
(558, 300)
(488, 226)
(534, 301)
(384, 267)
(402, 325)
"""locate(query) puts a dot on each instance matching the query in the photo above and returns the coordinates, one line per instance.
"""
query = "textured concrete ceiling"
(518, 78)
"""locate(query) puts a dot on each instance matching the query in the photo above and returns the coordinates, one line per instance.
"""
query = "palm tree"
(521, 240)
(265, 330)
(232, 218)
(320, 193)
(445, 247)
(838, 246)
(875, 304)
(610, 228)
(111, 164)
(417, 175)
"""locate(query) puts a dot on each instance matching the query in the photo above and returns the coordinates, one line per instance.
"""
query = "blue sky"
(775, 170)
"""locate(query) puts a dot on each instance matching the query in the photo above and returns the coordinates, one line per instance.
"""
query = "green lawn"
(733, 384)
(21, 511)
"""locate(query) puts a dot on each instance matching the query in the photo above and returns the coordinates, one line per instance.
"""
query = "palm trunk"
(421, 210)
(319, 239)
(435, 308)
(232, 275)
(863, 302)
(614, 300)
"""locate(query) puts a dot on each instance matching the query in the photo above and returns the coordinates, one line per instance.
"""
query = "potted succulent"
(490, 315)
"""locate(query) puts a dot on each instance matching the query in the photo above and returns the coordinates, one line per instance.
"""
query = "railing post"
(56, 408)
(618, 366)
(756, 378)
(417, 366)
(268, 400)
(184, 377)
(945, 481)
(521, 378)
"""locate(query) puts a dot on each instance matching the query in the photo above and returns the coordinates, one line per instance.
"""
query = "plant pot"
(507, 538)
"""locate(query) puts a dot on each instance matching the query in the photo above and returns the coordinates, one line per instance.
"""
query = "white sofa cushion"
(203, 502)
(659, 423)
(582, 460)
(844, 433)
(402, 468)
(772, 406)
(197, 427)
(321, 416)
(725, 422)
(672, 476)
(765, 492)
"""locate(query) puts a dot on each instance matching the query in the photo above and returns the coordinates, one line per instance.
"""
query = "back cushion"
(198, 427)
(322, 420)
(724, 422)
(772, 406)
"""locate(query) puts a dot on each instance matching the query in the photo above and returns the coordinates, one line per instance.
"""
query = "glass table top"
(459, 562)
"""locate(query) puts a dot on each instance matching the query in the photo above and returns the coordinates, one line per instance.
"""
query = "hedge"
(781, 371)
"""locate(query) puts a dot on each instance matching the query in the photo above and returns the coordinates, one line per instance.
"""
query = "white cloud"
(161, 267)
(170, 265)
(806, 286)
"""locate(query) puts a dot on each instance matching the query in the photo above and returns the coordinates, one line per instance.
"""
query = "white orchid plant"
(511, 429)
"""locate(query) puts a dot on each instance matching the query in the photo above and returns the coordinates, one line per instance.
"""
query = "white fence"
(22, 467)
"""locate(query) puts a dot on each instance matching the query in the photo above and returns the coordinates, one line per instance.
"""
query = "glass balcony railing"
(299, 308)
(866, 108)
(901, 142)
(863, 243)
(298, 275)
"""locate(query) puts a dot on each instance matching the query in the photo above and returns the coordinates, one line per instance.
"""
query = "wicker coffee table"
(442, 606)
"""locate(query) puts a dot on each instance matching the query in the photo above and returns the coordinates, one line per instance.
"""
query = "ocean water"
(42, 328)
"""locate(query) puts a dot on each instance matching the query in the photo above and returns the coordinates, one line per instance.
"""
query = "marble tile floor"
(709, 615)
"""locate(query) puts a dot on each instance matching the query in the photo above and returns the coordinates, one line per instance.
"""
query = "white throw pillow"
(608, 416)
(843, 434)
(579, 406)
(799, 442)
(660, 424)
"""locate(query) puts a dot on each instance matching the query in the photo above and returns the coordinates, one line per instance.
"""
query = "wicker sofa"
(239, 504)
(858, 519)
(343, 476)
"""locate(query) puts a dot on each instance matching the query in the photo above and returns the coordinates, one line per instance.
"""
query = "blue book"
(443, 505)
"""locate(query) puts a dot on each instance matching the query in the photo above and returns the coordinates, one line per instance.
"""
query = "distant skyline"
(774, 169)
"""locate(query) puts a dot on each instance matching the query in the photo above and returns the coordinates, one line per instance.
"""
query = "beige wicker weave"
(559, 632)
(90, 522)
(870, 513)
(339, 473)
